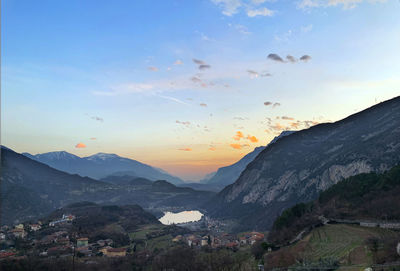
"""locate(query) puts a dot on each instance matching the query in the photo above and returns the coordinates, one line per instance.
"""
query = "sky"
(188, 86)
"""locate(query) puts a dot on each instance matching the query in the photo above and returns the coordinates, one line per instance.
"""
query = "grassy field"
(345, 244)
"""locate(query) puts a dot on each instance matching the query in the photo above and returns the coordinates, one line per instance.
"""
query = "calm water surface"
(182, 217)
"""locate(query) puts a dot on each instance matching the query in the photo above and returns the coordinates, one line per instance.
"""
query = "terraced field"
(343, 243)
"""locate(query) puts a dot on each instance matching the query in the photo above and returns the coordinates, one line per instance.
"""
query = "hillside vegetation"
(364, 197)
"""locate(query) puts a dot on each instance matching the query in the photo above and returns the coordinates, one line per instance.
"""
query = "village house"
(82, 242)
(19, 226)
(178, 238)
(204, 241)
(256, 236)
(18, 232)
(35, 227)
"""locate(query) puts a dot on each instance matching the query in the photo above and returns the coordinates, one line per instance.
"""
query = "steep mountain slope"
(229, 174)
(363, 197)
(297, 167)
(30, 189)
(101, 165)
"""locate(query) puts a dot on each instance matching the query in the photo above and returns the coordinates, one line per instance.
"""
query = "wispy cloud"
(172, 99)
(346, 4)
(238, 146)
(198, 61)
(238, 135)
(273, 104)
(251, 7)
(229, 7)
(184, 123)
(260, 12)
(153, 69)
(185, 149)
(254, 74)
(203, 104)
(97, 118)
(252, 138)
(204, 67)
(178, 62)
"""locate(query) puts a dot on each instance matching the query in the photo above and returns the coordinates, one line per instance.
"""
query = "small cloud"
(253, 74)
(267, 103)
(277, 126)
(80, 145)
(294, 125)
(238, 135)
(252, 138)
(93, 138)
(185, 149)
(275, 57)
(195, 79)
(265, 74)
(152, 68)
(242, 29)
(178, 62)
(97, 118)
(276, 104)
(185, 123)
(212, 148)
(305, 58)
(258, 2)
(198, 62)
(203, 105)
(204, 67)
(260, 12)
(287, 118)
(229, 7)
(291, 59)
(236, 146)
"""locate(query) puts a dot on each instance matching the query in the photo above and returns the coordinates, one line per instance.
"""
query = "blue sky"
(122, 76)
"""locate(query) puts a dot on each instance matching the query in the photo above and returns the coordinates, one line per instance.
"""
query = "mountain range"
(299, 166)
(101, 165)
(30, 189)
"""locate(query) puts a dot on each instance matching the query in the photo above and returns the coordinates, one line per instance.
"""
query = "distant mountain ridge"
(30, 189)
(229, 174)
(301, 165)
(101, 165)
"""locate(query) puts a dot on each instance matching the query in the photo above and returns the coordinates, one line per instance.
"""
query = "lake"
(181, 217)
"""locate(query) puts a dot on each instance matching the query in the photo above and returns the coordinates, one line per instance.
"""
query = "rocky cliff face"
(297, 167)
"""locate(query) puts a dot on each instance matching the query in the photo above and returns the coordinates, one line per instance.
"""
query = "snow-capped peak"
(102, 156)
(56, 155)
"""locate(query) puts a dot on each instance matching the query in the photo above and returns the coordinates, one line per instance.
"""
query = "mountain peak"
(102, 156)
(57, 155)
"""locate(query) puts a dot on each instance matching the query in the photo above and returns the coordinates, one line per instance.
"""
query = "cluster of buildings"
(64, 219)
(221, 240)
(100, 247)
(54, 240)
